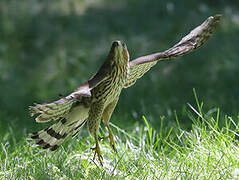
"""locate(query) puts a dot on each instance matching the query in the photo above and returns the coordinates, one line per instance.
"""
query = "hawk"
(95, 100)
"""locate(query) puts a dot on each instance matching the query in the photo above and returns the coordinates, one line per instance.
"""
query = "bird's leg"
(94, 119)
(111, 137)
(97, 150)
(106, 117)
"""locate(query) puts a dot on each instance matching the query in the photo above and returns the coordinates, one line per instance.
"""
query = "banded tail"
(53, 136)
(72, 111)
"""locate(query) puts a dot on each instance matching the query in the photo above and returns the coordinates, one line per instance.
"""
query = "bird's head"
(118, 53)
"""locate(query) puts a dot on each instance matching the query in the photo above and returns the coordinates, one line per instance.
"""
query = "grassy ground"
(205, 152)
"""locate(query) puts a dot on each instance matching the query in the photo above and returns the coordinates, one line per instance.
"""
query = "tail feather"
(53, 136)
(77, 128)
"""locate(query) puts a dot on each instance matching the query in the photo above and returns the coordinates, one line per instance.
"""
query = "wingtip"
(215, 19)
(217, 16)
(31, 111)
(210, 23)
(40, 119)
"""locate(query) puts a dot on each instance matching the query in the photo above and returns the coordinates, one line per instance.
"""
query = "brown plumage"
(96, 99)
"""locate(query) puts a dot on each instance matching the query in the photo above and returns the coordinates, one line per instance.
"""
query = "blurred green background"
(51, 47)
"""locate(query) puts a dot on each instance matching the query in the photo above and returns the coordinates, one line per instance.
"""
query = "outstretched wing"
(60, 108)
(54, 110)
(196, 38)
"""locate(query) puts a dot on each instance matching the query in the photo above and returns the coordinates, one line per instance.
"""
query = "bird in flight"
(95, 100)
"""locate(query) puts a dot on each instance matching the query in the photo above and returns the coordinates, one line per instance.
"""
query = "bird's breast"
(111, 87)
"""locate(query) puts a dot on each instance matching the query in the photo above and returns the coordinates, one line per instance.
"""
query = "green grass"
(207, 151)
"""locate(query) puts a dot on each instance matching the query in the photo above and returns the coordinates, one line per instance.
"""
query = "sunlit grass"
(207, 151)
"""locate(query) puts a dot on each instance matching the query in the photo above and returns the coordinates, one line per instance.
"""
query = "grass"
(207, 151)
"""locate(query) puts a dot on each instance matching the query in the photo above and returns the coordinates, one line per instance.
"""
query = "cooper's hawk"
(96, 99)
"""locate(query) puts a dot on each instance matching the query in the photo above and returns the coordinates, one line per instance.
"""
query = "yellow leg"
(106, 117)
(111, 137)
(97, 150)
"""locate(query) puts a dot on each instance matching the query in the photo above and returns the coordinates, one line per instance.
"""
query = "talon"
(112, 142)
(97, 151)
(114, 148)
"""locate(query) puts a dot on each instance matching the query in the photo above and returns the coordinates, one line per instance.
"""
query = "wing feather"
(60, 108)
(196, 38)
